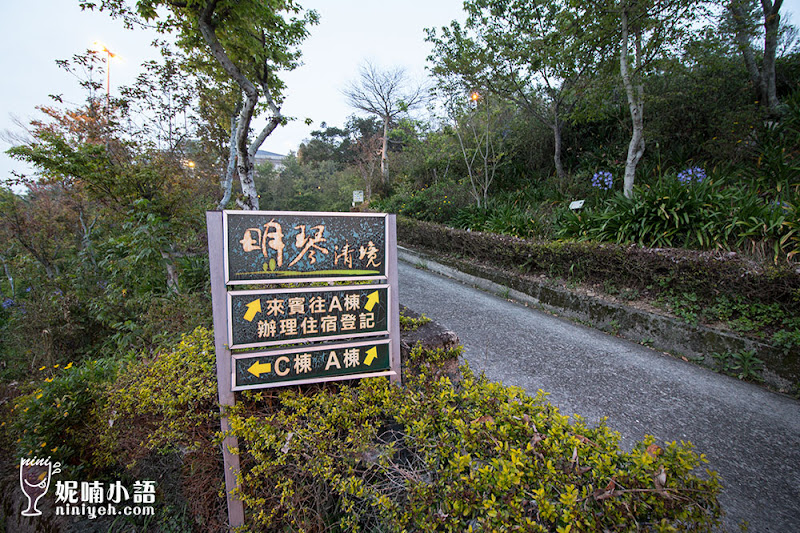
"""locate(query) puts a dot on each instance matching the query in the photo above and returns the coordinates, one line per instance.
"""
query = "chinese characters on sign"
(290, 247)
(267, 318)
(320, 363)
(272, 247)
(297, 324)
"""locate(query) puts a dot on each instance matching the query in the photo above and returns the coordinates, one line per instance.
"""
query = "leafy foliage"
(703, 214)
(56, 416)
(438, 457)
(169, 402)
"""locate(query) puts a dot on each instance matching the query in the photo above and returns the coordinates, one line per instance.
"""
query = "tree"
(385, 94)
(368, 152)
(532, 53)
(476, 128)
(645, 32)
(247, 41)
(328, 144)
(743, 14)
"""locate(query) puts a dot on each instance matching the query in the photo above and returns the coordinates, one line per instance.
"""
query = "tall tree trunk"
(743, 43)
(635, 95)
(772, 19)
(384, 152)
(763, 79)
(244, 164)
(556, 126)
(230, 169)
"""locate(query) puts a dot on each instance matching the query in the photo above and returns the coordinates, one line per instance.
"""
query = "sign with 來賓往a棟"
(286, 316)
(276, 247)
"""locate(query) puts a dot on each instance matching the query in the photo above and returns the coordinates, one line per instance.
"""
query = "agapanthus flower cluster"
(693, 174)
(602, 180)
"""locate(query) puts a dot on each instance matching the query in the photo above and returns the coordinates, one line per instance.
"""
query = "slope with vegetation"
(434, 455)
(104, 260)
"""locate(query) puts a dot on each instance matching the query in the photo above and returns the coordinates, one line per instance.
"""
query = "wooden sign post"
(296, 249)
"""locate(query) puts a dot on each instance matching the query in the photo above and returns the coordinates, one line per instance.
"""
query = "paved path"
(749, 435)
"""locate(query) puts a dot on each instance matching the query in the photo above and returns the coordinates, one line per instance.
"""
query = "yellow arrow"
(372, 299)
(260, 368)
(252, 308)
(372, 353)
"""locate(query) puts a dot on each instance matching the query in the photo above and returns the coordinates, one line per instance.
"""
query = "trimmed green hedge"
(707, 274)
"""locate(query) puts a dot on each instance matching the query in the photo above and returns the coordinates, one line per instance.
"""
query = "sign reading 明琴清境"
(276, 247)
(307, 333)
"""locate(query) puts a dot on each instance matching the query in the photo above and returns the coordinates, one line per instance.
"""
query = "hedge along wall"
(707, 274)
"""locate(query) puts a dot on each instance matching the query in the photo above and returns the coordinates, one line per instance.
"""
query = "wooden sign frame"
(218, 249)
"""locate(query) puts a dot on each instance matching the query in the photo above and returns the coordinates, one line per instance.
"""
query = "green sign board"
(276, 247)
(311, 365)
(289, 316)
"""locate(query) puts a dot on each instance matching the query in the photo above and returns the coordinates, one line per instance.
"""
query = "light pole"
(109, 54)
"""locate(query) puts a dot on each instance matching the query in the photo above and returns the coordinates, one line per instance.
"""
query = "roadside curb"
(781, 371)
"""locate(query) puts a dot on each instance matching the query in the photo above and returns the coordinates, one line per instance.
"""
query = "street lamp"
(109, 54)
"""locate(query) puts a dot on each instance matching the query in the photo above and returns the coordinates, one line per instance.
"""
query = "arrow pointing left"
(260, 368)
(252, 308)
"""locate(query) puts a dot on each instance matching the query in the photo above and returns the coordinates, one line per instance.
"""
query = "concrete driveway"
(749, 435)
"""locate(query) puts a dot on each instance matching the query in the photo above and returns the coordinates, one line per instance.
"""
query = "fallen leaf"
(285, 447)
(661, 479)
(654, 450)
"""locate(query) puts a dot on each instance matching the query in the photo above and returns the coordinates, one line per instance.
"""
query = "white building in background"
(262, 156)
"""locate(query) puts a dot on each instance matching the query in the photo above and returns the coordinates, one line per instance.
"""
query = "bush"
(164, 404)
(164, 408)
(56, 416)
(689, 212)
(668, 214)
(505, 218)
(650, 271)
(439, 203)
(477, 456)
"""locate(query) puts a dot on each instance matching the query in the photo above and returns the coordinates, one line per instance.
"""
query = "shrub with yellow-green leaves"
(54, 417)
(475, 456)
(167, 403)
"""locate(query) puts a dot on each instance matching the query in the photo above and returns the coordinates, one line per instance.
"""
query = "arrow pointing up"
(372, 299)
(372, 353)
(260, 368)
(252, 308)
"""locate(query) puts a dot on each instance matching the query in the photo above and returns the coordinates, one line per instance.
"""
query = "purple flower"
(602, 180)
(8, 302)
(693, 174)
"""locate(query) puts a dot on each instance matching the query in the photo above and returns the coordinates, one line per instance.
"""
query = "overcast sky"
(35, 33)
